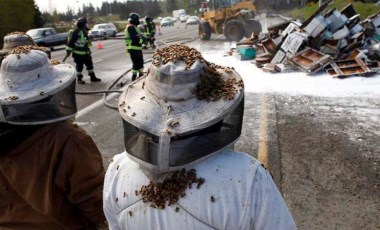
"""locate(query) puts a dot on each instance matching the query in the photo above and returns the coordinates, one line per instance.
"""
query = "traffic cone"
(99, 46)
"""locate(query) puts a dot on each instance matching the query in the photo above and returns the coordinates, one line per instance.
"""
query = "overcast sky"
(62, 5)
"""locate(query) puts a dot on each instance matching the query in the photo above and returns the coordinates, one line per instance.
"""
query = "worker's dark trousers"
(137, 62)
(81, 60)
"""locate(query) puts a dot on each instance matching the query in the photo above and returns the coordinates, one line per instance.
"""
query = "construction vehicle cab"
(233, 18)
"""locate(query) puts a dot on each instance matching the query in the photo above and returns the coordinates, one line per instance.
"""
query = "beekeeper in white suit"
(170, 125)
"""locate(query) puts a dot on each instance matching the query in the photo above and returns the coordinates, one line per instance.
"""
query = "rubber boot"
(80, 79)
(94, 78)
(134, 76)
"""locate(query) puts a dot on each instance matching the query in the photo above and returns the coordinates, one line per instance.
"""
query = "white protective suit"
(244, 197)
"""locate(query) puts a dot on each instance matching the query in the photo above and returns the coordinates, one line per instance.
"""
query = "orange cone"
(99, 46)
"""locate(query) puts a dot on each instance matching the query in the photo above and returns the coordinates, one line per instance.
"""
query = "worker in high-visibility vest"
(150, 31)
(134, 40)
(79, 44)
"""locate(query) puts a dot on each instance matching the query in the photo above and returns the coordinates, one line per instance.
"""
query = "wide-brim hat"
(165, 100)
(29, 76)
(16, 39)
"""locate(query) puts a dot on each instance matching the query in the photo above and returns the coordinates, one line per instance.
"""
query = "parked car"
(183, 18)
(47, 37)
(103, 30)
(166, 22)
(192, 20)
(173, 19)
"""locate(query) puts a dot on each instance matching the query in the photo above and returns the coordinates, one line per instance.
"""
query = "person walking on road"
(51, 172)
(79, 45)
(134, 40)
(178, 170)
(150, 31)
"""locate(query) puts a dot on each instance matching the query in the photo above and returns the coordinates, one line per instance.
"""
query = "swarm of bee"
(171, 189)
(11, 98)
(55, 62)
(16, 33)
(26, 49)
(175, 53)
(211, 85)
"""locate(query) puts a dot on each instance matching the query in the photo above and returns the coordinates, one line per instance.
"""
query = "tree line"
(22, 15)
(153, 8)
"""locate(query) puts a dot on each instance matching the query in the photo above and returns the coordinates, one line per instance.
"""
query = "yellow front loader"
(233, 18)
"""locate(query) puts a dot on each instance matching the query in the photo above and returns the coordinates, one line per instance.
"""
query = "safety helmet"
(82, 22)
(167, 123)
(134, 18)
(33, 91)
(148, 19)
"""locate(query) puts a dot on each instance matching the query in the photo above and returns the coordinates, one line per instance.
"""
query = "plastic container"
(247, 51)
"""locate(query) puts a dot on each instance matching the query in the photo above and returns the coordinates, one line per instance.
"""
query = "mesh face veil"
(166, 126)
(32, 91)
(166, 153)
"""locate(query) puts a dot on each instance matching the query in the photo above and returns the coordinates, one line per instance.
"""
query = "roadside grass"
(364, 9)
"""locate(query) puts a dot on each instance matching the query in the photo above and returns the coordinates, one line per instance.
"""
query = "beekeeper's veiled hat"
(33, 91)
(173, 116)
(16, 39)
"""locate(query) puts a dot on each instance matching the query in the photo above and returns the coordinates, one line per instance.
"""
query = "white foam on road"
(297, 82)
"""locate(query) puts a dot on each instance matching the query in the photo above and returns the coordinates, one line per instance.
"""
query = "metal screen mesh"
(59, 105)
(185, 149)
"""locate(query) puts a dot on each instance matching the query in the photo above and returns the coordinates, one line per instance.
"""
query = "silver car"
(103, 31)
(167, 22)
(192, 20)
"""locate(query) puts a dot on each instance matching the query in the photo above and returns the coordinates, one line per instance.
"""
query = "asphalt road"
(323, 152)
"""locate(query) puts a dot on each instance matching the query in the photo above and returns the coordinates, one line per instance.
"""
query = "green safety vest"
(129, 43)
(149, 28)
(81, 45)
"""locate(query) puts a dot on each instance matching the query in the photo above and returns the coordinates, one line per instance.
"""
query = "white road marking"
(263, 141)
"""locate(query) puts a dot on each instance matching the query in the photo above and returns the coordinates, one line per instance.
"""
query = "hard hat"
(148, 18)
(81, 22)
(167, 123)
(33, 91)
(134, 18)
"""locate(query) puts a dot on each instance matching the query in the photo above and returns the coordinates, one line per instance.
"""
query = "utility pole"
(50, 7)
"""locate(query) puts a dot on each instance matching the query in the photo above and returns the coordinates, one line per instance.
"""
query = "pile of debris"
(336, 41)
